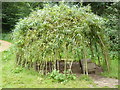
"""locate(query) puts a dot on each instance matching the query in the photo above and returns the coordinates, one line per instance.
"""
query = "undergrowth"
(7, 37)
(113, 73)
(86, 78)
(61, 77)
(17, 77)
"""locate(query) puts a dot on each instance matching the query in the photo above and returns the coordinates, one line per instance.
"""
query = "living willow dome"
(59, 33)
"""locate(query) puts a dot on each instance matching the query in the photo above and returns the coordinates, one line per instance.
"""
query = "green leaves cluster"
(112, 15)
(59, 31)
(60, 77)
(13, 11)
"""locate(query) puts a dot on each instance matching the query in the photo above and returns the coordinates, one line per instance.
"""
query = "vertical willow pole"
(97, 54)
(92, 50)
(86, 64)
(105, 52)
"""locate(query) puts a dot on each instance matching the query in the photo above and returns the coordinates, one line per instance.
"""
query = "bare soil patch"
(104, 81)
(4, 45)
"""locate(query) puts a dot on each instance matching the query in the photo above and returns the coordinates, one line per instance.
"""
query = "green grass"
(17, 77)
(113, 73)
(7, 37)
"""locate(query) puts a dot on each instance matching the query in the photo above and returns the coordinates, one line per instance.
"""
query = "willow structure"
(59, 32)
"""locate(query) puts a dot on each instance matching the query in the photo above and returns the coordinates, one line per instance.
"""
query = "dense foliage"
(110, 11)
(112, 16)
(59, 77)
(59, 32)
(13, 11)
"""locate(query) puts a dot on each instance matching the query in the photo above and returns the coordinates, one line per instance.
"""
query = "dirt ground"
(100, 81)
(4, 45)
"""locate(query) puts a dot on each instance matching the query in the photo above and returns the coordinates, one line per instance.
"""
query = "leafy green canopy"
(12, 11)
(58, 32)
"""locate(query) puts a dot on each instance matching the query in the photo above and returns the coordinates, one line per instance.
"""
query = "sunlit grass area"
(17, 77)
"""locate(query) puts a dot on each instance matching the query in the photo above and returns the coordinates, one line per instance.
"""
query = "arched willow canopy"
(59, 33)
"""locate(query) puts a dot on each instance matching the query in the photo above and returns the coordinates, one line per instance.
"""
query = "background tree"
(12, 11)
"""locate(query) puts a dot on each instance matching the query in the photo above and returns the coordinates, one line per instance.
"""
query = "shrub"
(17, 70)
(61, 77)
(56, 32)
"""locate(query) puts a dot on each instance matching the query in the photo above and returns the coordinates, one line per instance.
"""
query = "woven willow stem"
(104, 52)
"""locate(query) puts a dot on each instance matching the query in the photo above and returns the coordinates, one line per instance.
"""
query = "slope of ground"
(19, 77)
